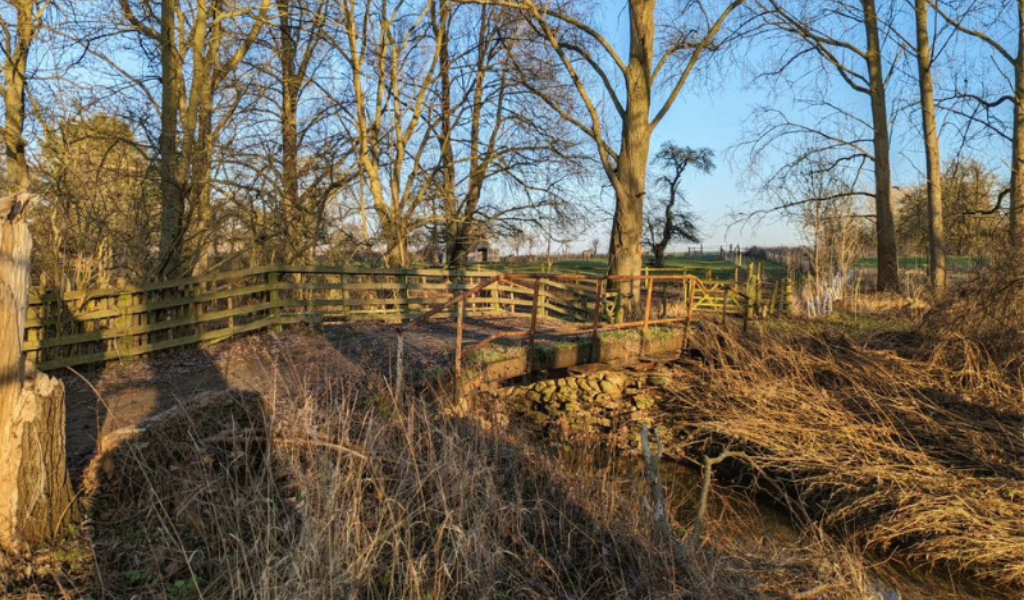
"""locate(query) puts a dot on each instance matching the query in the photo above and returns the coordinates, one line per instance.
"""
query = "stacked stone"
(585, 405)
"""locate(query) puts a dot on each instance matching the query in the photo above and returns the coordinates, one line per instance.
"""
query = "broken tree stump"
(35, 491)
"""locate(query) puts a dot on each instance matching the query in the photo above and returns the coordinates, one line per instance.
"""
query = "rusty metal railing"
(693, 291)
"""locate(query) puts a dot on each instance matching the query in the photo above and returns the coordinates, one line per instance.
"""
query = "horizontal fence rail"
(94, 326)
(589, 305)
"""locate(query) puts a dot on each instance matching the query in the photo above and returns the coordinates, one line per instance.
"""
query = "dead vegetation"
(320, 484)
(344, 493)
(981, 324)
(904, 457)
(337, 490)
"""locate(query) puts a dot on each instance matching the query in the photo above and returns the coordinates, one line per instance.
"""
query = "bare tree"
(99, 202)
(391, 70)
(284, 167)
(990, 33)
(17, 44)
(492, 134)
(197, 50)
(669, 220)
(933, 158)
(823, 34)
(970, 221)
(306, 179)
(835, 231)
(659, 56)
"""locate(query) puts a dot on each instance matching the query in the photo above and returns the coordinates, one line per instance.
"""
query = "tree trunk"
(1017, 158)
(172, 196)
(885, 224)
(630, 178)
(457, 246)
(36, 493)
(626, 248)
(396, 241)
(659, 254)
(455, 225)
(15, 68)
(292, 231)
(936, 227)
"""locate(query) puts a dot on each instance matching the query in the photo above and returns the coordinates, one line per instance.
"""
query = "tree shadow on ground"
(341, 491)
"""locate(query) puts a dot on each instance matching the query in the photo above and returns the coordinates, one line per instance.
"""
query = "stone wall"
(611, 403)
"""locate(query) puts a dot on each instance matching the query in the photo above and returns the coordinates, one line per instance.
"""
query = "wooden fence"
(94, 326)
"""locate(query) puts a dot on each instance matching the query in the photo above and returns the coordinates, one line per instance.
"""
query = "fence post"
(399, 365)
(197, 308)
(647, 317)
(495, 293)
(758, 292)
(124, 302)
(543, 306)
(403, 295)
(273, 277)
(664, 300)
(725, 305)
(598, 306)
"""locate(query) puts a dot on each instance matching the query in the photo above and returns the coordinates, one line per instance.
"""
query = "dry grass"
(339, 491)
(901, 456)
(333, 489)
(348, 494)
(981, 324)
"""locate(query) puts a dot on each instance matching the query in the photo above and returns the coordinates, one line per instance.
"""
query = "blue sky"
(715, 115)
(715, 120)
(710, 116)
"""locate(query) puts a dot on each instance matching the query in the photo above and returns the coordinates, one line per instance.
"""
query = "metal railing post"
(598, 305)
(533, 317)
(647, 317)
(460, 315)
(689, 315)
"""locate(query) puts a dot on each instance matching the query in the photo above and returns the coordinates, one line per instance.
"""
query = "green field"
(719, 269)
(957, 263)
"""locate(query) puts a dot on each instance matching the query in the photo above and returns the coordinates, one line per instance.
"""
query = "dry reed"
(895, 454)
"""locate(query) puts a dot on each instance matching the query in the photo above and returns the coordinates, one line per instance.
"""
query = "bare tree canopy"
(670, 218)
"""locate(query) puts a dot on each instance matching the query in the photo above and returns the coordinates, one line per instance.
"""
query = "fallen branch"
(705, 491)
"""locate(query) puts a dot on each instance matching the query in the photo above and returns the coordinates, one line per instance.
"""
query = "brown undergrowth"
(328, 487)
(339, 491)
(904, 457)
(981, 324)
(346, 493)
